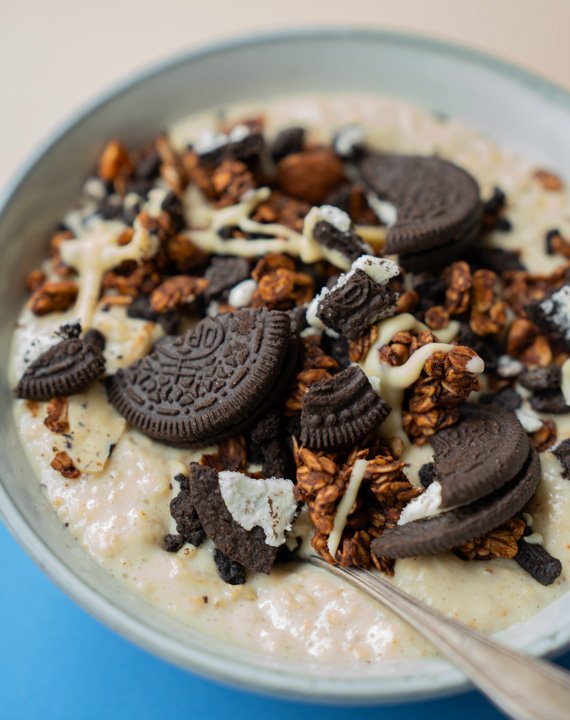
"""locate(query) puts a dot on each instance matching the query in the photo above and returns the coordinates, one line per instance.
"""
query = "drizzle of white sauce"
(534, 539)
(565, 381)
(395, 380)
(206, 222)
(346, 504)
(93, 255)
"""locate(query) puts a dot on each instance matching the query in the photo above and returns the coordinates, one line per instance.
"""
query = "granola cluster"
(322, 480)
(433, 400)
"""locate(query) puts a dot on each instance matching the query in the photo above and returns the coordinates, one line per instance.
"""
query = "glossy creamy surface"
(121, 514)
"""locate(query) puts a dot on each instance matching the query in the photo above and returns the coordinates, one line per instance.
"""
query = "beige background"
(57, 54)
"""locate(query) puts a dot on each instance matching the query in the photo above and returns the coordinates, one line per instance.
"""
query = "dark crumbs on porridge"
(322, 312)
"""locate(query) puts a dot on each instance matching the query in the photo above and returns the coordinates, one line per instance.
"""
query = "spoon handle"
(523, 687)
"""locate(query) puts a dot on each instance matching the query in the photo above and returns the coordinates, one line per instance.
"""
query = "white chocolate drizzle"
(206, 222)
(395, 380)
(565, 381)
(346, 504)
(91, 256)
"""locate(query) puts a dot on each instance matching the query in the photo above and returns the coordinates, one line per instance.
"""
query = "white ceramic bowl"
(493, 96)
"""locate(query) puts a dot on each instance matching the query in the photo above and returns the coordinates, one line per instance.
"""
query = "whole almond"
(310, 175)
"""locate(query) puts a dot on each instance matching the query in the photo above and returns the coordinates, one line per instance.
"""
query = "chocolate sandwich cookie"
(213, 381)
(438, 257)
(64, 369)
(247, 547)
(350, 307)
(450, 529)
(438, 206)
(479, 454)
(357, 299)
(340, 412)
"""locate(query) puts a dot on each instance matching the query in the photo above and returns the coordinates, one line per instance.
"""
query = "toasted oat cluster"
(325, 310)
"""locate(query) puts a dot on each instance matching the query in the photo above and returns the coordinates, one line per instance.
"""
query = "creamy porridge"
(115, 498)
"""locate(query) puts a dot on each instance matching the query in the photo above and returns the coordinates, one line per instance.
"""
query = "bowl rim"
(203, 661)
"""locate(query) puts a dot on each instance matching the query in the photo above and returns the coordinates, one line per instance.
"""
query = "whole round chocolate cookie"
(340, 412)
(450, 529)
(478, 455)
(63, 369)
(436, 201)
(212, 381)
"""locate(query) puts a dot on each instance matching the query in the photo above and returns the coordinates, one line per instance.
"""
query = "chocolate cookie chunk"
(213, 381)
(481, 453)
(141, 309)
(340, 412)
(549, 401)
(188, 524)
(64, 369)
(247, 547)
(347, 243)
(552, 315)
(223, 274)
(450, 529)
(539, 379)
(287, 141)
(562, 452)
(538, 562)
(230, 571)
(355, 302)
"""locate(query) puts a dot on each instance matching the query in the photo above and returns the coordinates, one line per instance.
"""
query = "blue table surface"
(58, 662)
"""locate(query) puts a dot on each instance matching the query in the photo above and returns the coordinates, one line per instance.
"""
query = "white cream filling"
(385, 211)
(268, 504)
(428, 504)
(346, 504)
(242, 294)
(347, 137)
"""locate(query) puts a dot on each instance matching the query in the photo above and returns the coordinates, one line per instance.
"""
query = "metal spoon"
(523, 687)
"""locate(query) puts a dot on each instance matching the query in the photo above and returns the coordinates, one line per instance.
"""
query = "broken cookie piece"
(340, 412)
(552, 315)
(332, 228)
(272, 510)
(358, 299)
